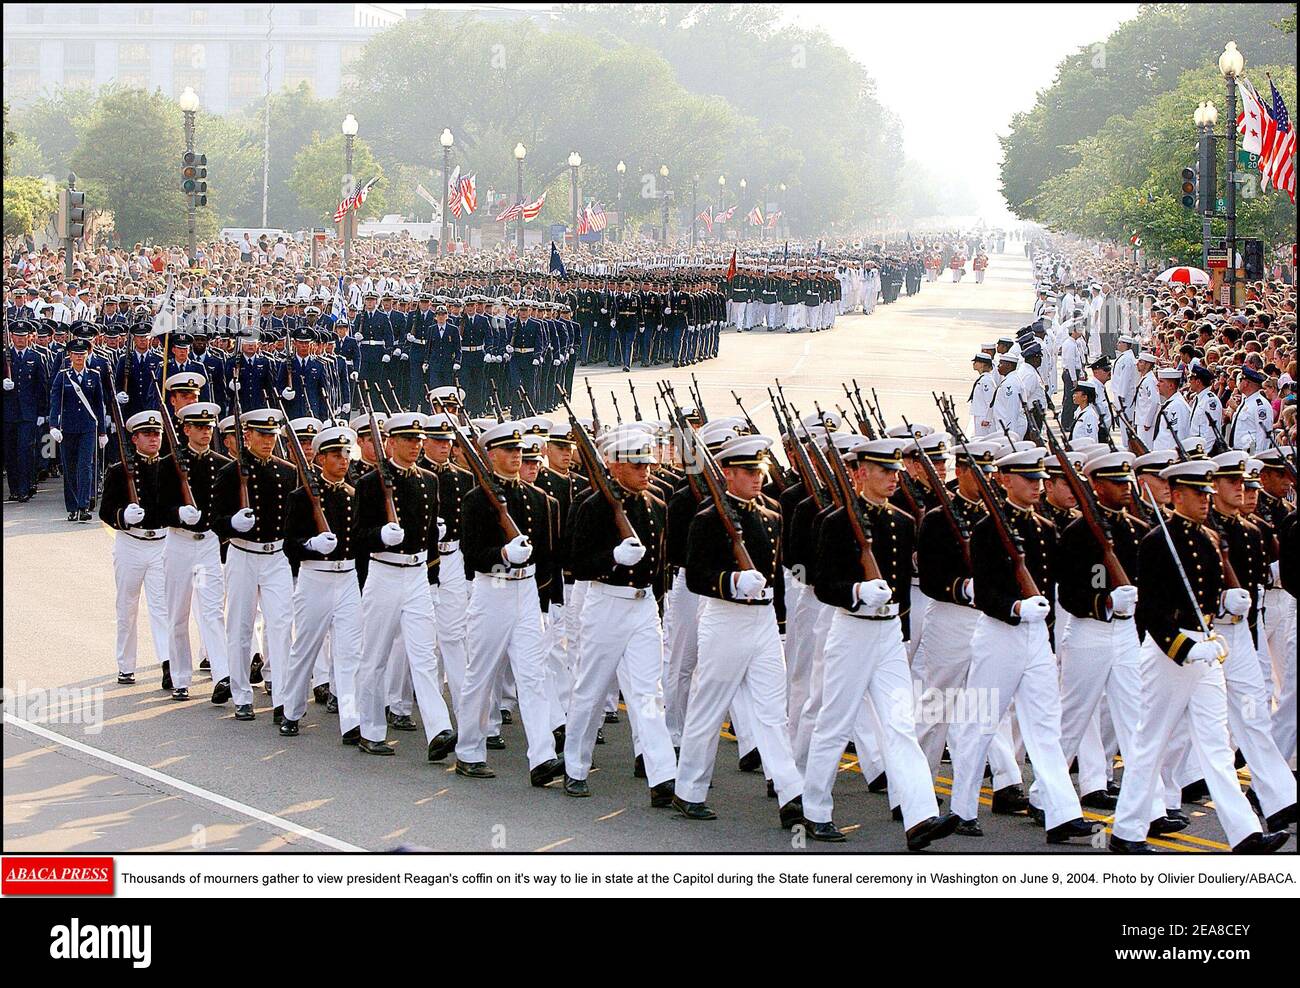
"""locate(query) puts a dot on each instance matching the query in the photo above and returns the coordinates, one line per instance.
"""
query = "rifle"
(525, 402)
(688, 467)
(905, 481)
(310, 480)
(875, 410)
(848, 499)
(618, 416)
(821, 467)
(381, 460)
(1288, 464)
(699, 399)
(597, 473)
(128, 458)
(863, 417)
(169, 430)
(714, 482)
(595, 415)
(483, 474)
(636, 409)
(858, 418)
(795, 451)
(1229, 574)
(1220, 443)
(242, 465)
(496, 401)
(945, 502)
(397, 404)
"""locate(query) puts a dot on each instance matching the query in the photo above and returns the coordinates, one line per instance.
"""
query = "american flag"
(511, 213)
(469, 193)
(584, 221)
(706, 218)
(453, 193)
(596, 219)
(354, 201)
(756, 216)
(772, 218)
(724, 216)
(1277, 155)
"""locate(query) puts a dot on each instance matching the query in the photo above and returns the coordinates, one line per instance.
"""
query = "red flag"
(731, 268)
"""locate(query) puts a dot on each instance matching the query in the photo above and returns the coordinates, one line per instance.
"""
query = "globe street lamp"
(575, 159)
(785, 222)
(446, 140)
(722, 204)
(1231, 63)
(622, 170)
(349, 183)
(663, 173)
(695, 212)
(189, 102)
(520, 152)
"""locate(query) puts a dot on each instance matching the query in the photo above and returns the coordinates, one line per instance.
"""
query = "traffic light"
(1189, 188)
(194, 177)
(71, 222)
(1206, 177)
(1252, 258)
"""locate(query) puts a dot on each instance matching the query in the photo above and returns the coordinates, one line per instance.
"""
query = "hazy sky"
(955, 73)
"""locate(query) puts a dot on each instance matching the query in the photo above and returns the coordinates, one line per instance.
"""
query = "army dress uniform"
(79, 423)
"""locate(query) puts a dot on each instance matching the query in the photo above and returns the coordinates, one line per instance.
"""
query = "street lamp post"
(575, 159)
(1231, 63)
(722, 201)
(349, 183)
(446, 140)
(663, 173)
(740, 201)
(695, 207)
(1206, 116)
(785, 220)
(189, 107)
(520, 152)
(622, 170)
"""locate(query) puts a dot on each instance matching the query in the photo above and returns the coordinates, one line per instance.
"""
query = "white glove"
(518, 550)
(872, 593)
(288, 394)
(442, 530)
(9, 384)
(1236, 601)
(40, 419)
(406, 356)
(189, 514)
(748, 584)
(1211, 651)
(411, 338)
(536, 361)
(556, 363)
(123, 397)
(243, 520)
(1123, 601)
(1034, 609)
(324, 543)
(56, 434)
(103, 441)
(455, 367)
(968, 590)
(133, 514)
(347, 407)
(509, 348)
(628, 552)
(397, 352)
(1275, 573)
(392, 534)
(386, 359)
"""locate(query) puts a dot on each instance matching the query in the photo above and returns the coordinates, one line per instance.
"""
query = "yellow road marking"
(610, 816)
(551, 847)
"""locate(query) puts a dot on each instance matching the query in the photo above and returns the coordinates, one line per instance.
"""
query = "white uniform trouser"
(253, 577)
(1096, 657)
(1279, 644)
(1195, 694)
(192, 570)
(396, 602)
(450, 604)
(324, 602)
(1014, 663)
(556, 640)
(505, 622)
(865, 663)
(1250, 724)
(801, 609)
(682, 620)
(621, 642)
(740, 652)
(944, 655)
(796, 318)
(138, 563)
(916, 627)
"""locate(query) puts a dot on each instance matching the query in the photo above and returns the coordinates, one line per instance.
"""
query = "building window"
(89, 15)
(245, 57)
(35, 15)
(79, 56)
(349, 56)
(245, 87)
(199, 16)
(138, 79)
(27, 56)
(22, 82)
(132, 55)
(183, 79)
(292, 80)
(302, 57)
(188, 57)
(144, 16)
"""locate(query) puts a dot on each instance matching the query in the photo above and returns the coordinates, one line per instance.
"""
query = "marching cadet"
(183, 388)
(1011, 654)
(1249, 700)
(250, 511)
(623, 560)
(1252, 421)
(1278, 644)
(739, 644)
(136, 371)
(1207, 411)
(864, 653)
(1180, 598)
(505, 608)
(1172, 412)
(397, 525)
(191, 558)
(326, 598)
(79, 424)
(138, 546)
(302, 381)
(26, 401)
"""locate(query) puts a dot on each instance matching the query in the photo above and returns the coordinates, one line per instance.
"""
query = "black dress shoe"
(791, 813)
(969, 828)
(1238, 760)
(474, 770)
(1195, 792)
(1063, 832)
(1036, 816)
(255, 669)
(332, 704)
(1253, 800)
(72, 516)
(1179, 815)
(600, 735)
(1112, 787)
(443, 744)
(771, 789)
(507, 717)
(352, 736)
(221, 691)
(288, 728)
(750, 761)
(930, 830)
(267, 686)
(277, 715)
(693, 811)
(401, 722)
(662, 794)
(205, 665)
(827, 832)
(1099, 800)
(550, 769)
(1282, 819)
(851, 748)
(558, 734)
(376, 747)
(1118, 845)
(1164, 825)
(1264, 843)
(321, 693)
(126, 678)
(638, 767)
(495, 742)
(896, 814)
(1010, 800)
(611, 716)
(83, 516)
(244, 711)
(879, 784)
(576, 787)
(167, 675)
(181, 693)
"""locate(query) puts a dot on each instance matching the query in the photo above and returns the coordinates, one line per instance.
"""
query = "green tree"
(317, 179)
(57, 123)
(28, 205)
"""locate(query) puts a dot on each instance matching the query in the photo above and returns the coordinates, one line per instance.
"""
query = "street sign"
(1216, 259)
(1220, 204)
(1247, 159)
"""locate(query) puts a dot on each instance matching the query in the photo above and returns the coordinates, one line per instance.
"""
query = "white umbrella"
(1184, 276)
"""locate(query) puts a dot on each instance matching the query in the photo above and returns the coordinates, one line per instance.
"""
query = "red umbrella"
(1184, 276)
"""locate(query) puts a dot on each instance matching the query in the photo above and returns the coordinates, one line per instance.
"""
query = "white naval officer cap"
(1254, 469)
(439, 426)
(535, 425)
(1154, 461)
(262, 420)
(1194, 446)
(1117, 465)
(532, 444)
(306, 426)
(1029, 462)
(1196, 474)
(886, 452)
(449, 395)
(502, 435)
(746, 451)
(200, 413)
(186, 381)
(832, 420)
(631, 448)
(982, 452)
(918, 430)
(360, 424)
(1231, 463)
(336, 437)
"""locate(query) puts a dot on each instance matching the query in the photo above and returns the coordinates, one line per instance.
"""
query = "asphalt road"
(112, 768)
